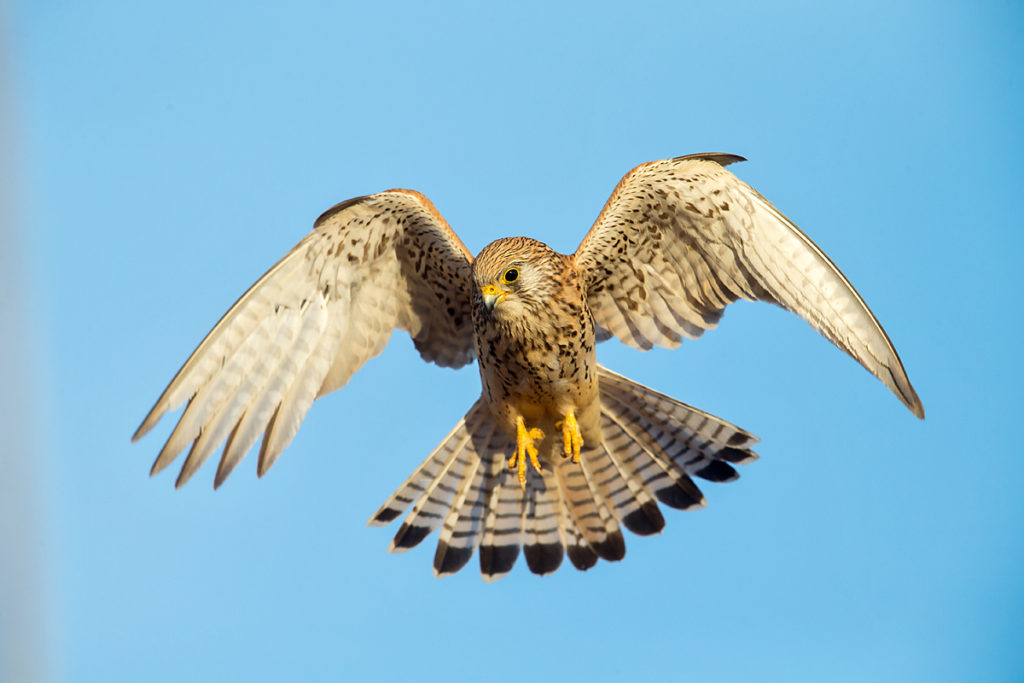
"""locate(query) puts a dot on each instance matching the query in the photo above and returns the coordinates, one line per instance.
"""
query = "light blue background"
(171, 152)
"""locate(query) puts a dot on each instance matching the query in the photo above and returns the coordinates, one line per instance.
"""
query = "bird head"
(514, 276)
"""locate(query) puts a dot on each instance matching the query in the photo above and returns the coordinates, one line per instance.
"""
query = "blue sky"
(168, 153)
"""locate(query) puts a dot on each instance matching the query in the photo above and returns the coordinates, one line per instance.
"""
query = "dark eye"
(511, 275)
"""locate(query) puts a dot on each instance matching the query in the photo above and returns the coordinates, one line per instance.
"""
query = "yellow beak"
(492, 295)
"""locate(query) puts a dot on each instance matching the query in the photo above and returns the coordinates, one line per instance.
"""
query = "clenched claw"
(525, 448)
(572, 438)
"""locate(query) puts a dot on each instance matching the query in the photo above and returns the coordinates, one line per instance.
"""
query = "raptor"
(558, 453)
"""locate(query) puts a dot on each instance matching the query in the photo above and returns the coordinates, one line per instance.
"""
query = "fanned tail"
(652, 446)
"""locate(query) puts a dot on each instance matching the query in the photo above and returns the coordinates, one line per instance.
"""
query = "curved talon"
(572, 438)
(525, 448)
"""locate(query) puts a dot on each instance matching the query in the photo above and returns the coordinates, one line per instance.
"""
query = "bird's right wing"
(370, 265)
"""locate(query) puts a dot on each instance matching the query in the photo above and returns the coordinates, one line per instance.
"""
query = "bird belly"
(542, 384)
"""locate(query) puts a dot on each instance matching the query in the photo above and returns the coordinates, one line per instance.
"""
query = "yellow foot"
(524, 449)
(572, 439)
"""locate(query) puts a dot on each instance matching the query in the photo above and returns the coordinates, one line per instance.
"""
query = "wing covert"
(682, 238)
(371, 264)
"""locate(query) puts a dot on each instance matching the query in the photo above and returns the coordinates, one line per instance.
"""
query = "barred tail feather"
(652, 445)
(431, 468)
(589, 508)
(579, 551)
(634, 502)
(698, 441)
(542, 542)
(463, 529)
(671, 485)
(503, 529)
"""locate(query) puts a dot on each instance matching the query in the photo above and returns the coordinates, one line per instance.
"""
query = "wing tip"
(915, 406)
(909, 396)
(187, 470)
(148, 423)
(270, 449)
(163, 459)
(156, 468)
(895, 377)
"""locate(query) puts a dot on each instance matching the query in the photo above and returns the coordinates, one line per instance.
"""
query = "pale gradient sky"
(170, 152)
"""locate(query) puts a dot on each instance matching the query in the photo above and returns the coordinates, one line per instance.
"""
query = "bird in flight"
(558, 453)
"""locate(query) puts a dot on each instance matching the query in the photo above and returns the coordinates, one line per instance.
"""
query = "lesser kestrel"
(558, 451)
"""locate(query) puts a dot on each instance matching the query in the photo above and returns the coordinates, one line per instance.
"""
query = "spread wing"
(682, 238)
(370, 265)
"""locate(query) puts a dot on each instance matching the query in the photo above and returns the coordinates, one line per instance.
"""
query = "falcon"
(558, 453)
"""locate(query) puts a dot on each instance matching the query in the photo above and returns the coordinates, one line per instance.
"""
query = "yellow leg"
(572, 439)
(524, 449)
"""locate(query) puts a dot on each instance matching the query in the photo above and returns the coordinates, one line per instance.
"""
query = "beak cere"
(491, 295)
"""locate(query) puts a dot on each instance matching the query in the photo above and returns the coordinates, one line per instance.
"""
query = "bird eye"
(511, 275)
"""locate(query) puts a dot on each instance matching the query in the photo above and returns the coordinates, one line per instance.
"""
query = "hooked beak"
(492, 296)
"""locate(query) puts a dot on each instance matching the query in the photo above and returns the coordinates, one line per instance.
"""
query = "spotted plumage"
(536, 349)
(590, 451)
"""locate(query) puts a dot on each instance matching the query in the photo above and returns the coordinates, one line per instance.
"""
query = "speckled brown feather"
(370, 265)
(682, 238)
(536, 349)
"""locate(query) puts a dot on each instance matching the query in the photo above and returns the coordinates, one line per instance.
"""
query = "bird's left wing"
(681, 238)
(370, 265)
